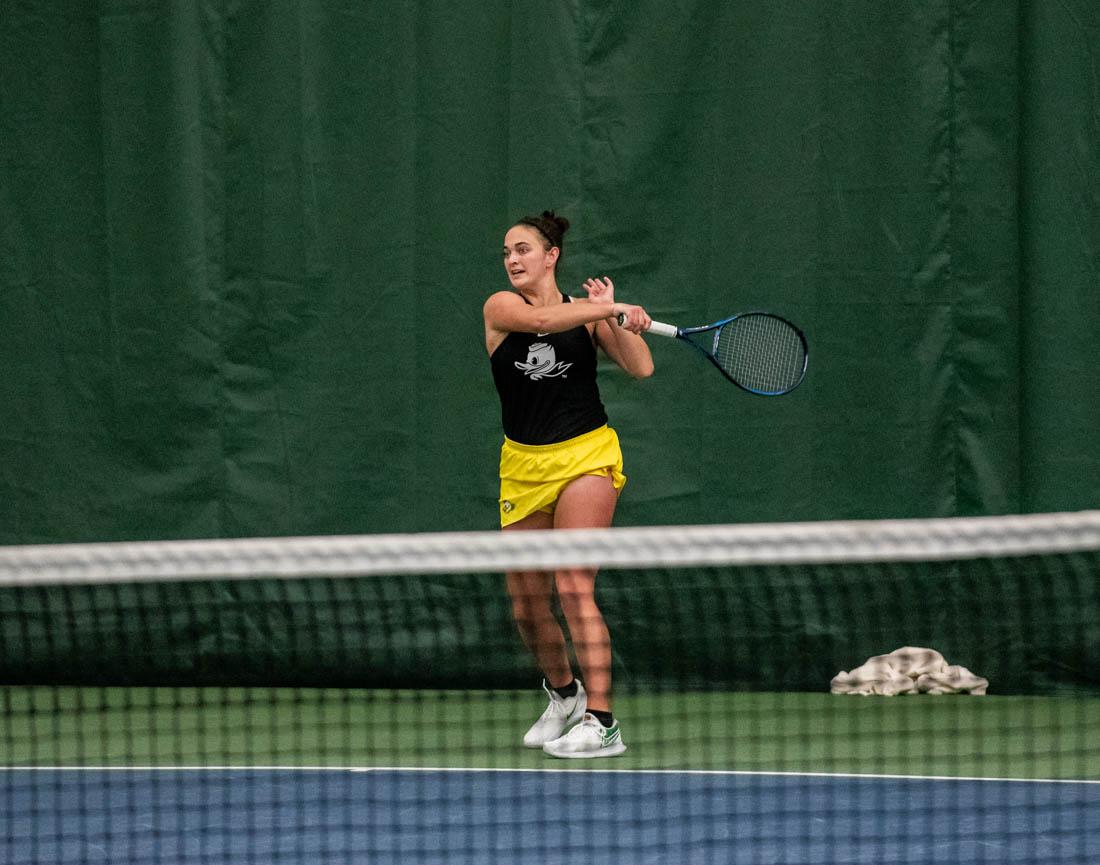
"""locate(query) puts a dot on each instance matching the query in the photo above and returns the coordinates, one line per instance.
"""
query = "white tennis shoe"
(559, 714)
(589, 738)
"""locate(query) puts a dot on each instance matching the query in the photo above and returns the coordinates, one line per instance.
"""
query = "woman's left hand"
(600, 290)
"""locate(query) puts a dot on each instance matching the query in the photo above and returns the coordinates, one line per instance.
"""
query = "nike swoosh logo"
(543, 334)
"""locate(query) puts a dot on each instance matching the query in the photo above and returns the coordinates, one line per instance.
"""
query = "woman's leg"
(588, 502)
(532, 594)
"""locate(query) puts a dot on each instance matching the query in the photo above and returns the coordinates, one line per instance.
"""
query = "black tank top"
(547, 385)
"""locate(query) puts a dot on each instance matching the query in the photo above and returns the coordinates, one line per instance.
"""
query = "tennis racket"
(759, 352)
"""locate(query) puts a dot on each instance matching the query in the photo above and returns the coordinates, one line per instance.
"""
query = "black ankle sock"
(567, 691)
(604, 718)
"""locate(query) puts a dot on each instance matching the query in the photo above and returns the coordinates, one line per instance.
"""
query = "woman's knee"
(530, 594)
(576, 591)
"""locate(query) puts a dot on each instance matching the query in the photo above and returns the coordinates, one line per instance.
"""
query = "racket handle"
(657, 327)
(662, 329)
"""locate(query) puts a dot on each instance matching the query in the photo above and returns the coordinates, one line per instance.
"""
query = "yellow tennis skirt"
(533, 476)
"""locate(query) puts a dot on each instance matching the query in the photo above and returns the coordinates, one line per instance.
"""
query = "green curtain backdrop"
(244, 248)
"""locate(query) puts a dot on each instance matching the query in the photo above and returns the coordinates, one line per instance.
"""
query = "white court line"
(549, 771)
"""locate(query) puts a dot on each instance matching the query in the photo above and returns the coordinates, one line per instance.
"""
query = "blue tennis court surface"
(176, 816)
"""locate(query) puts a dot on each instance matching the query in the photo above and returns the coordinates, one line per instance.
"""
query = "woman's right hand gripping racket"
(759, 352)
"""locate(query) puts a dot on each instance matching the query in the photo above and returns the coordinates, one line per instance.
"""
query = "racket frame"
(686, 334)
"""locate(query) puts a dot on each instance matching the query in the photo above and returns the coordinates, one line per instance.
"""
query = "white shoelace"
(555, 709)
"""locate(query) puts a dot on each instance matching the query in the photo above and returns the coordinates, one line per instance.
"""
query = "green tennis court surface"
(950, 736)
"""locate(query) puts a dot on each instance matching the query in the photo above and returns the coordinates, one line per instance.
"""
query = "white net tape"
(465, 552)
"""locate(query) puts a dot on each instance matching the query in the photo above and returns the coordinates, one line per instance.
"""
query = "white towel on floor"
(908, 670)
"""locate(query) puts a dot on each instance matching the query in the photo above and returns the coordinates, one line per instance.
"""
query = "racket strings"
(761, 352)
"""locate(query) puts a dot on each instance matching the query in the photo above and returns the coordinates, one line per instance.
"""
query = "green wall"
(244, 248)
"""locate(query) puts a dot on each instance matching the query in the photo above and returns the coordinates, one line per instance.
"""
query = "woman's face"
(526, 258)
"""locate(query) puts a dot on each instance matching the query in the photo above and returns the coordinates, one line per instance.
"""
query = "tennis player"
(560, 467)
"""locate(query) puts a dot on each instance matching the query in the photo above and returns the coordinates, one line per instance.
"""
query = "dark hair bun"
(549, 225)
(560, 221)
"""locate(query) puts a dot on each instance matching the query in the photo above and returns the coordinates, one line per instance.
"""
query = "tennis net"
(365, 699)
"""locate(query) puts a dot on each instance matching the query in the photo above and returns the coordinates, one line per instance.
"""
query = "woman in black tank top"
(542, 348)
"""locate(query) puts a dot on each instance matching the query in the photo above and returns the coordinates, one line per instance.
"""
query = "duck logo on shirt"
(542, 362)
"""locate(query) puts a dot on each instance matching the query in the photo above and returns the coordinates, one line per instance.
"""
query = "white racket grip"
(662, 329)
(657, 327)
